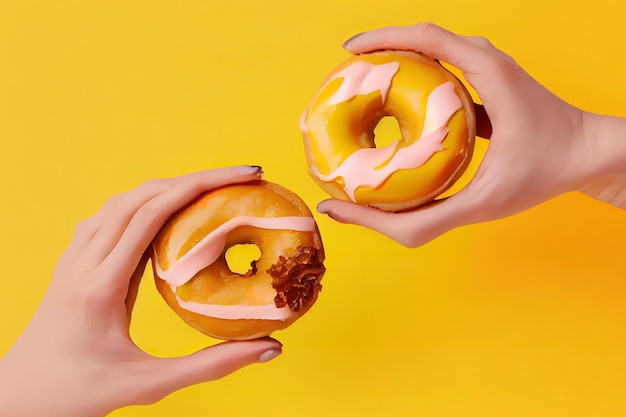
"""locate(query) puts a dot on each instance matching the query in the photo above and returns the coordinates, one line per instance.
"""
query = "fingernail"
(250, 170)
(346, 44)
(268, 355)
(320, 208)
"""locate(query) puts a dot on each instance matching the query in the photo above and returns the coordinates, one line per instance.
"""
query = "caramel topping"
(296, 279)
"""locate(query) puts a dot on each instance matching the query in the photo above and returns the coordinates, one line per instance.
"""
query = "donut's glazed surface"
(436, 120)
(194, 278)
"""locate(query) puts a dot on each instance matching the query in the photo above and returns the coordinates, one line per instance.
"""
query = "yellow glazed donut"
(435, 114)
(194, 278)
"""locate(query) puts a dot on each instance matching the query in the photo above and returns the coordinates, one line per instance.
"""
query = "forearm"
(34, 391)
(604, 159)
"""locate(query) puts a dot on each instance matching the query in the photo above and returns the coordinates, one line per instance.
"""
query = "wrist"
(604, 145)
(603, 159)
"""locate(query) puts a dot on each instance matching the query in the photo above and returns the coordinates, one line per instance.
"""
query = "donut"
(194, 278)
(435, 114)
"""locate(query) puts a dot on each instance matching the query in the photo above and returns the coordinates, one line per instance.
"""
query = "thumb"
(207, 364)
(411, 228)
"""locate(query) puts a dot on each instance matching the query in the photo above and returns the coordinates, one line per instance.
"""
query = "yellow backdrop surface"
(524, 316)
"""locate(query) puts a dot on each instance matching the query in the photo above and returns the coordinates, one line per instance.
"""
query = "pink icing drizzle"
(361, 168)
(238, 312)
(358, 78)
(441, 105)
(363, 78)
(205, 252)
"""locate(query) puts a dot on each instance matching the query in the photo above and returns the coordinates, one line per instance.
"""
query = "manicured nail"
(346, 44)
(250, 170)
(327, 211)
(320, 208)
(268, 355)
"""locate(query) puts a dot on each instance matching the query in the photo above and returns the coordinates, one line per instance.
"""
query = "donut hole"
(241, 258)
(386, 131)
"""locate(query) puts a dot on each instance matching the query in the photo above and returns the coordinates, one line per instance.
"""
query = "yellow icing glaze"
(332, 132)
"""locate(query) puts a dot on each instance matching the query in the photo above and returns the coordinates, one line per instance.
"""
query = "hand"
(540, 146)
(76, 357)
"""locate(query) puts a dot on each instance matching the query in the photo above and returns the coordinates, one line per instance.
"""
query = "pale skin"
(540, 146)
(76, 357)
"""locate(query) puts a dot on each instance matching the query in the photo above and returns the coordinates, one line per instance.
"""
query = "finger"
(103, 224)
(83, 233)
(133, 287)
(119, 210)
(170, 374)
(392, 225)
(483, 124)
(411, 228)
(87, 228)
(114, 216)
(148, 219)
(427, 38)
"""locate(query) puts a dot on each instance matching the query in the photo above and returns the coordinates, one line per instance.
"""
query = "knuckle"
(113, 202)
(426, 28)
(85, 227)
(115, 199)
(126, 202)
(481, 41)
(148, 186)
(152, 183)
(501, 65)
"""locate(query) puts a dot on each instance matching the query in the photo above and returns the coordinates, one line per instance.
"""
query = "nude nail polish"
(268, 355)
(346, 44)
(250, 169)
(320, 209)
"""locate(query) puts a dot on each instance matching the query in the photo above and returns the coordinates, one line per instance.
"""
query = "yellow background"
(521, 317)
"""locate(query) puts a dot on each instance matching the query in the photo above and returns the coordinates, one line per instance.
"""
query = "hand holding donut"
(540, 145)
(76, 357)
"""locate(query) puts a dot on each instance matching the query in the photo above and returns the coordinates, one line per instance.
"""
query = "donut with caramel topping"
(194, 278)
(435, 114)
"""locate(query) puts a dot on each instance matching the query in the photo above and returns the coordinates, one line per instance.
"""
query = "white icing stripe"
(364, 168)
(205, 252)
(238, 312)
(363, 78)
